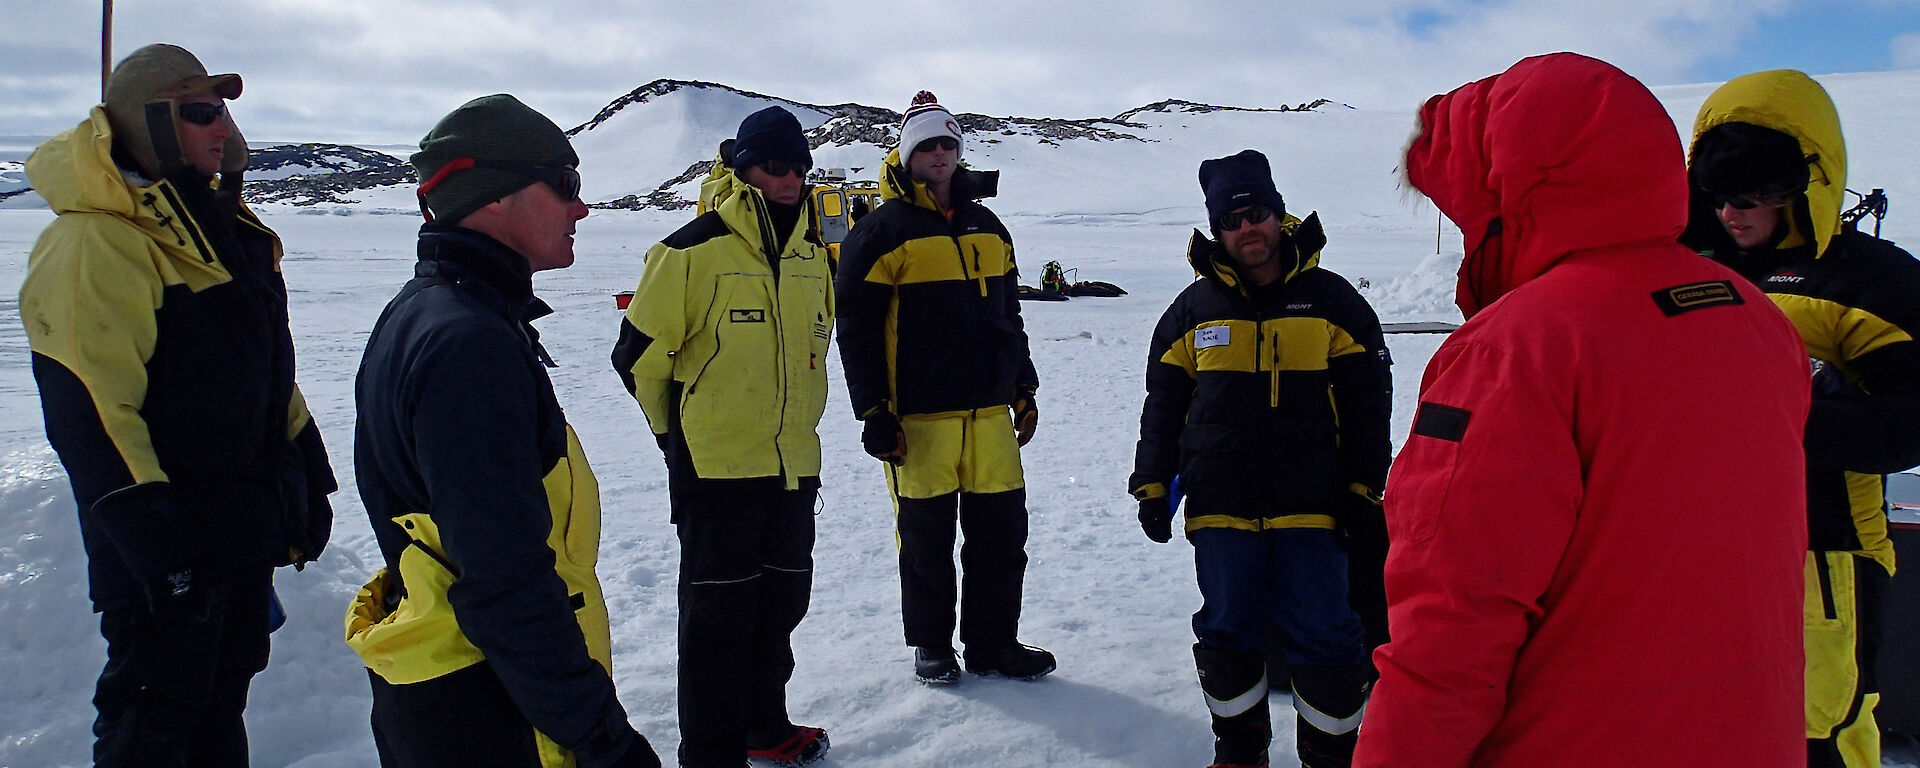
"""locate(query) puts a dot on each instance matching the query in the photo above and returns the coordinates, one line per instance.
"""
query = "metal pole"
(106, 45)
(1438, 218)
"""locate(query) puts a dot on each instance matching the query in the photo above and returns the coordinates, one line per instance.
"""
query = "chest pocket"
(729, 384)
(1226, 345)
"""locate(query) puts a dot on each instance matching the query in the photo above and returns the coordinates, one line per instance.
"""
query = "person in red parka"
(1598, 520)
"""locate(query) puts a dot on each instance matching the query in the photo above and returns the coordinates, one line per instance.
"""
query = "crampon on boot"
(806, 745)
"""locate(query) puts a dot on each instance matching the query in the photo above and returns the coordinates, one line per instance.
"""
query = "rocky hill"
(649, 148)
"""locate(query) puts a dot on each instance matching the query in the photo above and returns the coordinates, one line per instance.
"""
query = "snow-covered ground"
(1113, 606)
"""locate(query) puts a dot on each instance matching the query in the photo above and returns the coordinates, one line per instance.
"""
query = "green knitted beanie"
(490, 128)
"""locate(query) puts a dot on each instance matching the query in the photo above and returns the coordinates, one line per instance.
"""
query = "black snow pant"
(464, 718)
(175, 685)
(746, 575)
(993, 561)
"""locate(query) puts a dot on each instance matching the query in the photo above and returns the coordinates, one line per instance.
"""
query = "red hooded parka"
(1598, 521)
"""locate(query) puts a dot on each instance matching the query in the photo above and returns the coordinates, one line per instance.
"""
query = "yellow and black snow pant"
(964, 467)
(1843, 638)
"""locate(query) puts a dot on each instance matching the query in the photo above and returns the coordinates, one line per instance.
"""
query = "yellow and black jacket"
(725, 340)
(1853, 299)
(930, 309)
(482, 501)
(1267, 402)
(157, 317)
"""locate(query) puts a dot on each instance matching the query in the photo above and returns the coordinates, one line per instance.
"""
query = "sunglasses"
(947, 143)
(1252, 215)
(779, 168)
(1750, 201)
(201, 113)
(565, 181)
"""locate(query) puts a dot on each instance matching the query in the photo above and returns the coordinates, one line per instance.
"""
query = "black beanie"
(1743, 158)
(497, 128)
(1237, 181)
(771, 134)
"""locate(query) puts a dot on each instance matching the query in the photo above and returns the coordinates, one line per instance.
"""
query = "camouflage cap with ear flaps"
(162, 73)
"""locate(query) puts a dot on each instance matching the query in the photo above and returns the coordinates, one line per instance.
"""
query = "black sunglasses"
(948, 143)
(778, 168)
(201, 113)
(565, 181)
(1252, 214)
(1750, 201)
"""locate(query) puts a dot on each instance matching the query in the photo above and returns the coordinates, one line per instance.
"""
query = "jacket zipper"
(206, 254)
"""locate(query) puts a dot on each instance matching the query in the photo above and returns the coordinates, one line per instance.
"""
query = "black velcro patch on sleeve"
(578, 600)
(1681, 299)
(1441, 422)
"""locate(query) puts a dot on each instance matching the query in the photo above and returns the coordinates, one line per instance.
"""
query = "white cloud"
(1905, 50)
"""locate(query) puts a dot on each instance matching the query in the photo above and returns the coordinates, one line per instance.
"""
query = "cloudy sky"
(382, 71)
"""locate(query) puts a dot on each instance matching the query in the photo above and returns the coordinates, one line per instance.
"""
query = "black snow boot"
(1329, 701)
(936, 666)
(1020, 662)
(1235, 684)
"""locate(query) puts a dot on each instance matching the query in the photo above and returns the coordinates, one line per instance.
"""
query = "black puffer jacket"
(1266, 402)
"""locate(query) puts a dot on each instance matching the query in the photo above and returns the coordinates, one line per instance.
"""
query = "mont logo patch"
(1441, 422)
(1682, 299)
(747, 315)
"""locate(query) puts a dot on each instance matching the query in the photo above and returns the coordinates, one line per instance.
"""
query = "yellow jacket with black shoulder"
(1267, 402)
(1851, 297)
(725, 340)
(157, 317)
(930, 309)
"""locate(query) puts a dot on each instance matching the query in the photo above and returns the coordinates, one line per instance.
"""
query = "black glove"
(882, 437)
(159, 542)
(1156, 519)
(665, 442)
(319, 529)
(640, 754)
(1362, 523)
(181, 595)
(1363, 529)
(1026, 417)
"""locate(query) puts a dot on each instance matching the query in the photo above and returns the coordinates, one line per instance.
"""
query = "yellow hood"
(1790, 102)
(75, 171)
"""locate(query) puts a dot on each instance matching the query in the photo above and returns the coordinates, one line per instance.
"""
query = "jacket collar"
(496, 273)
(969, 185)
(1300, 242)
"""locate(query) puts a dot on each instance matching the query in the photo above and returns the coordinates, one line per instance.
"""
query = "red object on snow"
(622, 299)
